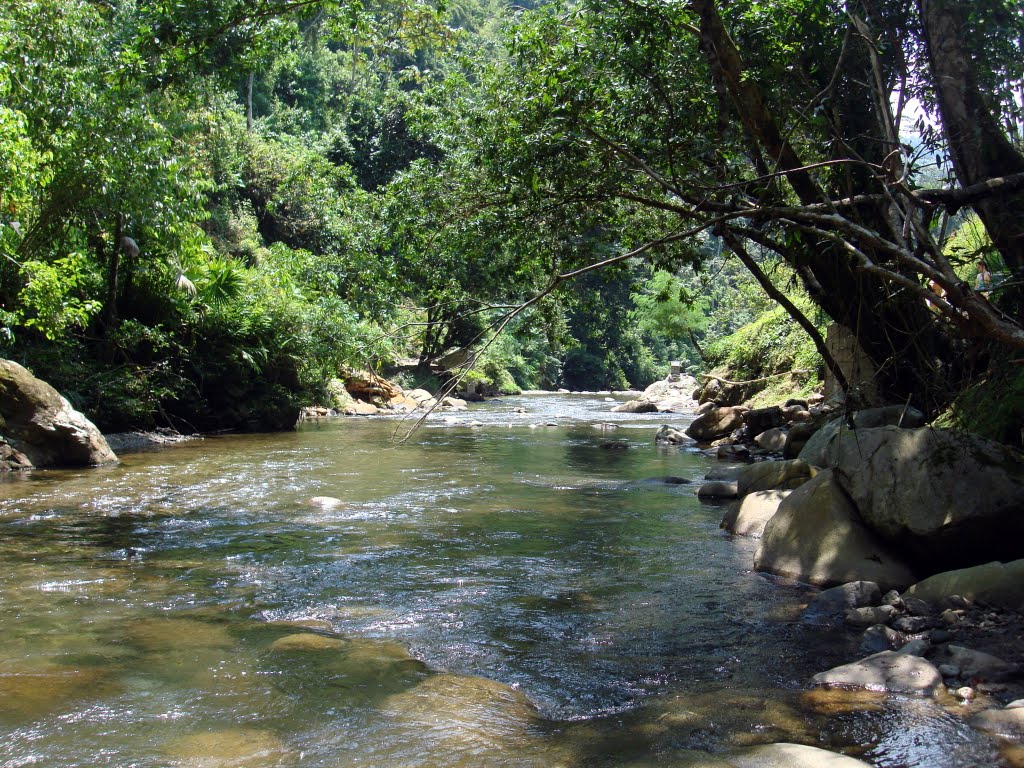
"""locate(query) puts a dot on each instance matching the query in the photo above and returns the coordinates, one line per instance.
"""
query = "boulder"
(792, 756)
(359, 408)
(879, 637)
(1001, 722)
(453, 404)
(830, 605)
(978, 664)
(869, 615)
(761, 419)
(716, 423)
(886, 672)
(718, 489)
(949, 499)
(338, 397)
(10, 459)
(797, 437)
(732, 452)
(997, 583)
(869, 418)
(366, 385)
(403, 403)
(749, 517)
(672, 396)
(771, 475)
(636, 406)
(773, 440)
(670, 435)
(816, 536)
(720, 392)
(40, 425)
(796, 413)
(421, 396)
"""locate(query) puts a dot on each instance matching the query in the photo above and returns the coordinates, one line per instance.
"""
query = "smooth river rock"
(886, 672)
(997, 583)
(814, 451)
(716, 423)
(40, 423)
(793, 756)
(772, 475)
(816, 536)
(751, 515)
(1001, 722)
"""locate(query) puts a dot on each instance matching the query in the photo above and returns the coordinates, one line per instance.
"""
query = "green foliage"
(772, 344)
(994, 405)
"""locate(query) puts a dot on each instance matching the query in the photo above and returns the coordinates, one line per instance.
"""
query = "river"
(510, 594)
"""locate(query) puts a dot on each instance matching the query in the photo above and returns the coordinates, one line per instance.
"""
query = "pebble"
(966, 693)
(950, 617)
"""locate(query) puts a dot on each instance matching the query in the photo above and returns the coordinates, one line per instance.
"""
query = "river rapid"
(511, 594)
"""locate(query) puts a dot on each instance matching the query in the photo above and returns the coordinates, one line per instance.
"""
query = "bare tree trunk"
(979, 148)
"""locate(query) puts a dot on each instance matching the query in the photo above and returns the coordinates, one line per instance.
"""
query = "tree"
(775, 126)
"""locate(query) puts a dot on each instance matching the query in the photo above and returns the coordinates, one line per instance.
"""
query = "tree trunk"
(894, 329)
(978, 147)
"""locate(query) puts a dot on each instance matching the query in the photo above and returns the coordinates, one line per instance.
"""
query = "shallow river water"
(506, 595)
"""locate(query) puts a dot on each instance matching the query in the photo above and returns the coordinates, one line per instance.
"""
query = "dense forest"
(208, 208)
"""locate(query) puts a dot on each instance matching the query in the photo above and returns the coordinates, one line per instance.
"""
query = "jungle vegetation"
(208, 208)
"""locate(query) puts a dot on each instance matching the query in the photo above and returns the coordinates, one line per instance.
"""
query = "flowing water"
(510, 594)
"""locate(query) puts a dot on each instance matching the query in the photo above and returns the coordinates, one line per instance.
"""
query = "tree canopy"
(204, 196)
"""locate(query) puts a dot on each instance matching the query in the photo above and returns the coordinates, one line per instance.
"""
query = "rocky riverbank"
(913, 532)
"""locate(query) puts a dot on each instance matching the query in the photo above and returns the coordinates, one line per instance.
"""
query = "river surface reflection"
(509, 594)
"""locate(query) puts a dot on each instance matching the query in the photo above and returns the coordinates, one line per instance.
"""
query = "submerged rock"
(465, 718)
(234, 747)
(307, 642)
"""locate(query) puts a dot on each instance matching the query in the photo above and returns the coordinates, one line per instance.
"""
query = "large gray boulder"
(817, 537)
(814, 449)
(949, 499)
(41, 424)
(716, 423)
(885, 672)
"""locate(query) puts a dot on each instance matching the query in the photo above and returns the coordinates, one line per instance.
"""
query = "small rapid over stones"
(498, 589)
